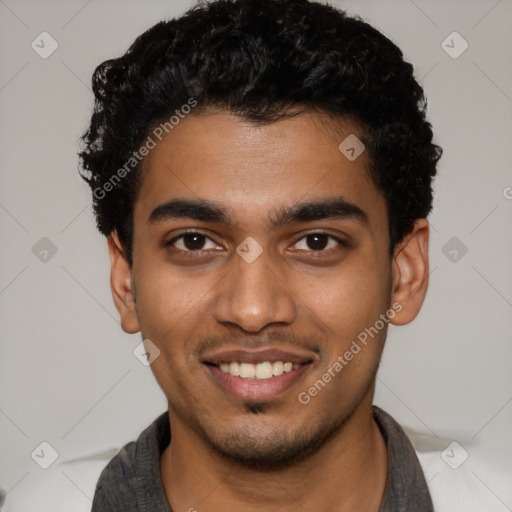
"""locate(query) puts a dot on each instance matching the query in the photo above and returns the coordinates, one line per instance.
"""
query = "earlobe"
(410, 273)
(121, 284)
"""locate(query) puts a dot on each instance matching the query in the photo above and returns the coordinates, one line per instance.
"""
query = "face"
(260, 254)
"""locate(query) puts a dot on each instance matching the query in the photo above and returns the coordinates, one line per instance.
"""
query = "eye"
(192, 241)
(318, 242)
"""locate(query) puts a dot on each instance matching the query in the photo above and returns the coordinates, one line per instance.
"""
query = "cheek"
(348, 307)
(168, 296)
(351, 297)
(172, 309)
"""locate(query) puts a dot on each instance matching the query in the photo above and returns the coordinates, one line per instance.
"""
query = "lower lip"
(256, 390)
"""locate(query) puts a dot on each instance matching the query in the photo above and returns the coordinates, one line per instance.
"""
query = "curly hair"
(258, 59)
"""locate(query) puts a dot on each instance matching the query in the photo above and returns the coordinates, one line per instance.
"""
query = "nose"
(253, 295)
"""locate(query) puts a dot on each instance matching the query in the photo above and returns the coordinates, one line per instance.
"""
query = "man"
(262, 171)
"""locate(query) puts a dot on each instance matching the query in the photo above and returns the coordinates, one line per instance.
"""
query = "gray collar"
(406, 488)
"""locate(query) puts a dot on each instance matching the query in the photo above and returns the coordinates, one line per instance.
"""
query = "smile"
(257, 376)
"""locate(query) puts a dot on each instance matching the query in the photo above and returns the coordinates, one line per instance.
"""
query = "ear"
(410, 273)
(121, 284)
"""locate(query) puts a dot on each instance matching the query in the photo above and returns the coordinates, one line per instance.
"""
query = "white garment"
(69, 486)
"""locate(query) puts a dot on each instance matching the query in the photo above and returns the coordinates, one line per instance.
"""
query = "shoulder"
(74, 481)
(458, 477)
(65, 486)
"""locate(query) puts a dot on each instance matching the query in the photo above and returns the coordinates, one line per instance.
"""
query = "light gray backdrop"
(68, 375)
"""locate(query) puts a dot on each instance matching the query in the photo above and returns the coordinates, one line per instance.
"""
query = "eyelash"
(199, 251)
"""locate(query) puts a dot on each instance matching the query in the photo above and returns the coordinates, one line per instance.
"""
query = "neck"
(348, 473)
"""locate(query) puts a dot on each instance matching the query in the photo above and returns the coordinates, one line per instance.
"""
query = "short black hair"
(258, 59)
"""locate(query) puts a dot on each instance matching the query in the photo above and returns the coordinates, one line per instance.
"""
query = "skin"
(291, 297)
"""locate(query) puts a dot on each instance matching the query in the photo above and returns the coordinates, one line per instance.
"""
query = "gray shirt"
(131, 481)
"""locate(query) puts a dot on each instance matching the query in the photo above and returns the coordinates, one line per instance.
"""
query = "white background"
(67, 372)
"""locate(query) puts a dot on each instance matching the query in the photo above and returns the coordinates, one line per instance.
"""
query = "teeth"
(247, 370)
(265, 370)
(233, 368)
(277, 368)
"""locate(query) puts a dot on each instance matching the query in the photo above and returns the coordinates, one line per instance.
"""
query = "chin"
(274, 450)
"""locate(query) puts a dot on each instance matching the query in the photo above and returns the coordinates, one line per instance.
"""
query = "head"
(263, 173)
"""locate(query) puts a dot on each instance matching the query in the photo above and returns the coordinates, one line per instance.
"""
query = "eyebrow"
(208, 211)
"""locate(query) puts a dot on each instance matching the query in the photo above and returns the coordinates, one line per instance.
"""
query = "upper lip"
(257, 356)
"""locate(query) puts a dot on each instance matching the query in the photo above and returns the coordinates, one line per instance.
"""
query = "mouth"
(257, 376)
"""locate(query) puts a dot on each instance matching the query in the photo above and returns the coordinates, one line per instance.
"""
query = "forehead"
(253, 168)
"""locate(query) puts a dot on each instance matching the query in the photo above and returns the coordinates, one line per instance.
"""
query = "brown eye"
(192, 241)
(318, 242)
